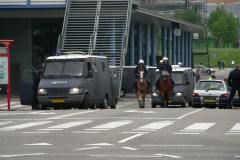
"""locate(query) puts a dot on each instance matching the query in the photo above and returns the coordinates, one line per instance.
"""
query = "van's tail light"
(195, 94)
(224, 95)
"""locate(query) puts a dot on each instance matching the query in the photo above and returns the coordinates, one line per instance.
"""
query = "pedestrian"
(222, 64)
(219, 64)
(234, 83)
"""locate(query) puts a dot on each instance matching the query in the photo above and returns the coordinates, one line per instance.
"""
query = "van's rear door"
(28, 87)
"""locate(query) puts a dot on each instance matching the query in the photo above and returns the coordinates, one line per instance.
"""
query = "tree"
(224, 26)
(190, 15)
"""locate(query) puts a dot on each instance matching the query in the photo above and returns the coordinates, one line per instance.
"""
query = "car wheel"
(196, 106)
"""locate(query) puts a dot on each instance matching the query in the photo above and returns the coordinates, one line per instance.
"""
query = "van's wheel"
(104, 104)
(114, 105)
(44, 107)
(154, 105)
(86, 101)
(35, 107)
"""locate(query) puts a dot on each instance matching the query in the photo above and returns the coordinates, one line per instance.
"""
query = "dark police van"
(76, 80)
(184, 83)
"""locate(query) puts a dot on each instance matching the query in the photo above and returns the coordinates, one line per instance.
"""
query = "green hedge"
(216, 54)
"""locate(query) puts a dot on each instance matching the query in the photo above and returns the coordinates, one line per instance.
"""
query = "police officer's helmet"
(141, 61)
(180, 64)
(165, 59)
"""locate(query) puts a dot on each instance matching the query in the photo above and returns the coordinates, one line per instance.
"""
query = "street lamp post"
(206, 30)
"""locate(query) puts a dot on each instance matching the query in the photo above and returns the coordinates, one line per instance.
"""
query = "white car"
(204, 70)
(211, 93)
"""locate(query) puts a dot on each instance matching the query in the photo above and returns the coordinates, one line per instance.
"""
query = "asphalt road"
(125, 133)
(120, 134)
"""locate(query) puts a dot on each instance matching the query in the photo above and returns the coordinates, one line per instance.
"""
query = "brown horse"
(141, 89)
(165, 88)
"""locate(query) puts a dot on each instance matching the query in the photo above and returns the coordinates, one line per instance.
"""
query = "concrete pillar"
(140, 35)
(182, 48)
(174, 54)
(113, 42)
(147, 48)
(178, 49)
(164, 41)
(186, 49)
(190, 49)
(132, 44)
(153, 45)
(169, 44)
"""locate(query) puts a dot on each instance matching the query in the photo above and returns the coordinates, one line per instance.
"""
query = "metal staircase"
(98, 27)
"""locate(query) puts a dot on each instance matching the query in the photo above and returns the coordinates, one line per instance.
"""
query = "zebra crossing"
(14, 106)
(80, 127)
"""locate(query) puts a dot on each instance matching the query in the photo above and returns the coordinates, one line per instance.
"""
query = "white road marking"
(101, 144)
(185, 115)
(189, 133)
(38, 144)
(198, 127)
(27, 113)
(69, 125)
(87, 132)
(50, 129)
(155, 126)
(82, 149)
(171, 156)
(97, 129)
(129, 148)
(34, 132)
(128, 156)
(25, 125)
(136, 111)
(182, 145)
(3, 123)
(72, 114)
(237, 156)
(112, 125)
(130, 138)
(21, 155)
(235, 128)
(136, 132)
(232, 133)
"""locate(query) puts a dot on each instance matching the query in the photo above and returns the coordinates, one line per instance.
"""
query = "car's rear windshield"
(210, 85)
(64, 68)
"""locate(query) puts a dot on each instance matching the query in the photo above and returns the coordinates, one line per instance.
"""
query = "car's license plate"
(58, 100)
(210, 100)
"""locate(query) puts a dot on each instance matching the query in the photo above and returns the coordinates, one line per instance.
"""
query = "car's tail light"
(195, 94)
(224, 95)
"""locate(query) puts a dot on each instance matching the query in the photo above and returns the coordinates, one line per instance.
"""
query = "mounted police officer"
(139, 67)
(164, 68)
(234, 83)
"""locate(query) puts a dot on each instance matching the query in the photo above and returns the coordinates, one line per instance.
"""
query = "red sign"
(5, 65)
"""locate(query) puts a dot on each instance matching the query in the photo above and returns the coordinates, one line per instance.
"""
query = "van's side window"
(89, 66)
(94, 67)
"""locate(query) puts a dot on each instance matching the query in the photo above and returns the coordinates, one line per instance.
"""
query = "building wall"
(20, 31)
